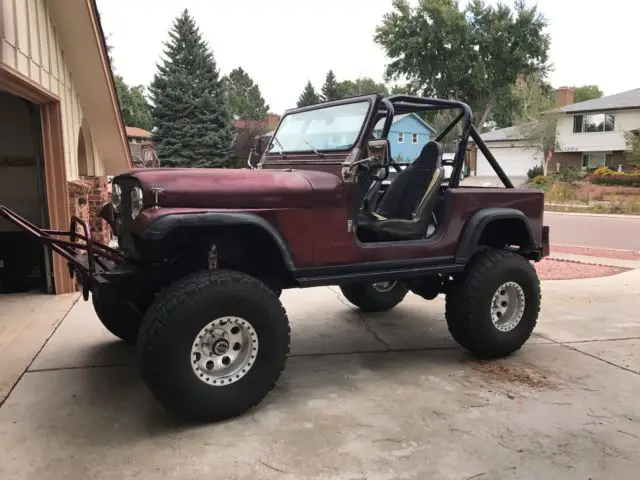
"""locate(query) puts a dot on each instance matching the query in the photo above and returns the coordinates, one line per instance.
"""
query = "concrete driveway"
(376, 397)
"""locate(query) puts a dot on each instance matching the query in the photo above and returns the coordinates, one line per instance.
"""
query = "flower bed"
(606, 176)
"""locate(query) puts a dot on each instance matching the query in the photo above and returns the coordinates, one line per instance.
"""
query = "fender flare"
(476, 225)
(161, 227)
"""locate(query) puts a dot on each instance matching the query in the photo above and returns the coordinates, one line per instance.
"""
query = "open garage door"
(515, 161)
(25, 265)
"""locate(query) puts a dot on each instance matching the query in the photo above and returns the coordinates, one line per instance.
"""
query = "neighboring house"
(408, 134)
(248, 130)
(142, 148)
(61, 131)
(514, 154)
(592, 134)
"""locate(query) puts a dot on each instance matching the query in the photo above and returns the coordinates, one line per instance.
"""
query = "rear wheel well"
(505, 232)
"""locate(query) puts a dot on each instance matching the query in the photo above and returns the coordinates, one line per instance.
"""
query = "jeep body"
(293, 220)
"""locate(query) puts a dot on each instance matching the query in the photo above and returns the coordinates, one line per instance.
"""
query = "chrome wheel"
(384, 287)
(507, 306)
(224, 351)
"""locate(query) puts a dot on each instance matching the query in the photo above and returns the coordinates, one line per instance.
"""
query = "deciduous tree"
(586, 92)
(474, 55)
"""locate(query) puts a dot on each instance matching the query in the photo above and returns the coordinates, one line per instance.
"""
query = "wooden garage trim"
(56, 188)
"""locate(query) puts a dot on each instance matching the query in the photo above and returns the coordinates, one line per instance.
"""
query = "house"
(142, 148)
(513, 152)
(61, 132)
(592, 134)
(408, 134)
(248, 130)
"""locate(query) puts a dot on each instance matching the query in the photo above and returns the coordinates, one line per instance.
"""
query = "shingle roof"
(501, 134)
(135, 132)
(622, 100)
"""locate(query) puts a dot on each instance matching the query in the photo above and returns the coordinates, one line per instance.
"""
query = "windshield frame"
(272, 150)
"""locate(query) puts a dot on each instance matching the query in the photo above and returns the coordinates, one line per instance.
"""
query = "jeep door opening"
(204, 254)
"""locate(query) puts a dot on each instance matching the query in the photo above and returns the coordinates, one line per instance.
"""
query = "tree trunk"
(485, 114)
(547, 160)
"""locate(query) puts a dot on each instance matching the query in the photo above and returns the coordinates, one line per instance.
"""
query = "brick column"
(87, 195)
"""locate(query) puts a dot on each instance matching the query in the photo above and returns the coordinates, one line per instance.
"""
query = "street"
(594, 230)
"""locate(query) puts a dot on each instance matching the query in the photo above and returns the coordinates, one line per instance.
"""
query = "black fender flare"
(476, 225)
(161, 227)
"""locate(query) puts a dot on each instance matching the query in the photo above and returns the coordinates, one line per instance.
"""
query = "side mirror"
(257, 147)
(379, 148)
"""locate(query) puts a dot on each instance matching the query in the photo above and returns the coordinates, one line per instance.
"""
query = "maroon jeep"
(204, 253)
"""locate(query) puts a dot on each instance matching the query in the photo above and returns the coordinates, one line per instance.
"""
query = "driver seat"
(405, 210)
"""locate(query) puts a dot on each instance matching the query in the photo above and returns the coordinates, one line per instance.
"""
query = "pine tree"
(330, 90)
(245, 99)
(190, 110)
(309, 96)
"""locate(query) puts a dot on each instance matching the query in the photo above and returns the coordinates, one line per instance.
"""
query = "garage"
(513, 154)
(25, 265)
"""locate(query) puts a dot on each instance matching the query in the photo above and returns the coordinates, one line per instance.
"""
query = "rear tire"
(493, 308)
(375, 297)
(117, 316)
(213, 345)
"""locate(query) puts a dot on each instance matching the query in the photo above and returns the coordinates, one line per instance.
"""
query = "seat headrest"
(430, 157)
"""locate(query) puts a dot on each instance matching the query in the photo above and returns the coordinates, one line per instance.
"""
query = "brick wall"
(574, 159)
(87, 195)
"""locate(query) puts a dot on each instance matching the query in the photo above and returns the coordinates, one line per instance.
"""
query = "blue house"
(408, 134)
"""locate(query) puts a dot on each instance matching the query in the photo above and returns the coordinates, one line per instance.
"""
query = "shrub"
(539, 181)
(606, 176)
(534, 172)
(569, 174)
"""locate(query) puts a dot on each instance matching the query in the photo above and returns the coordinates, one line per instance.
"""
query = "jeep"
(204, 254)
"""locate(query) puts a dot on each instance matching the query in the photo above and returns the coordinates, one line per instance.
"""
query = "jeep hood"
(238, 188)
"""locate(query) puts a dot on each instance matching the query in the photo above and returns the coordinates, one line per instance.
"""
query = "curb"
(579, 262)
(593, 248)
(580, 214)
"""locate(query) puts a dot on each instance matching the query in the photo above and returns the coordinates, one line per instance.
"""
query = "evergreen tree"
(309, 96)
(245, 99)
(330, 90)
(190, 110)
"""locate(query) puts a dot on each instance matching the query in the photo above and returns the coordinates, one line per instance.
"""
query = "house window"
(597, 122)
(400, 137)
(596, 159)
(414, 138)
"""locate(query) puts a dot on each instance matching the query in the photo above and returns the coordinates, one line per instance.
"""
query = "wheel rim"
(224, 351)
(383, 287)
(507, 306)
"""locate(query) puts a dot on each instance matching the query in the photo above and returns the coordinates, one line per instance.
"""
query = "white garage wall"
(514, 160)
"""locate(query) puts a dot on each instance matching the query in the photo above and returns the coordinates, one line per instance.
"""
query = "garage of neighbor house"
(512, 152)
(24, 263)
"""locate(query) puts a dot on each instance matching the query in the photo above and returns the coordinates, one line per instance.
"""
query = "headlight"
(136, 201)
(116, 196)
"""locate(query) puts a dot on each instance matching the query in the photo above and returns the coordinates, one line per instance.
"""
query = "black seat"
(405, 210)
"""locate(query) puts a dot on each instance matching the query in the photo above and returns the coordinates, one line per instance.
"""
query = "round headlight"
(116, 196)
(137, 203)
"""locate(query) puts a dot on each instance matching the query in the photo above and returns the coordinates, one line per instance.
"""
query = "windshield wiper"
(281, 152)
(321, 155)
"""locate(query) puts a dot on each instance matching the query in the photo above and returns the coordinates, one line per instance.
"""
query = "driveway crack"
(364, 320)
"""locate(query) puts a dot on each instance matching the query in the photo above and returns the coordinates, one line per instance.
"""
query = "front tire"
(119, 317)
(493, 308)
(214, 345)
(375, 297)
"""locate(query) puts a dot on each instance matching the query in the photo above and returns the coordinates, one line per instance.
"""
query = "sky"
(283, 43)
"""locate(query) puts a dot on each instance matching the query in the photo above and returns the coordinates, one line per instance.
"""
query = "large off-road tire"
(492, 309)
(375, 297)
(213, 345)
(120, 318)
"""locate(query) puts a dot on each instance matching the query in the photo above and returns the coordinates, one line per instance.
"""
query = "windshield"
(330, 128)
